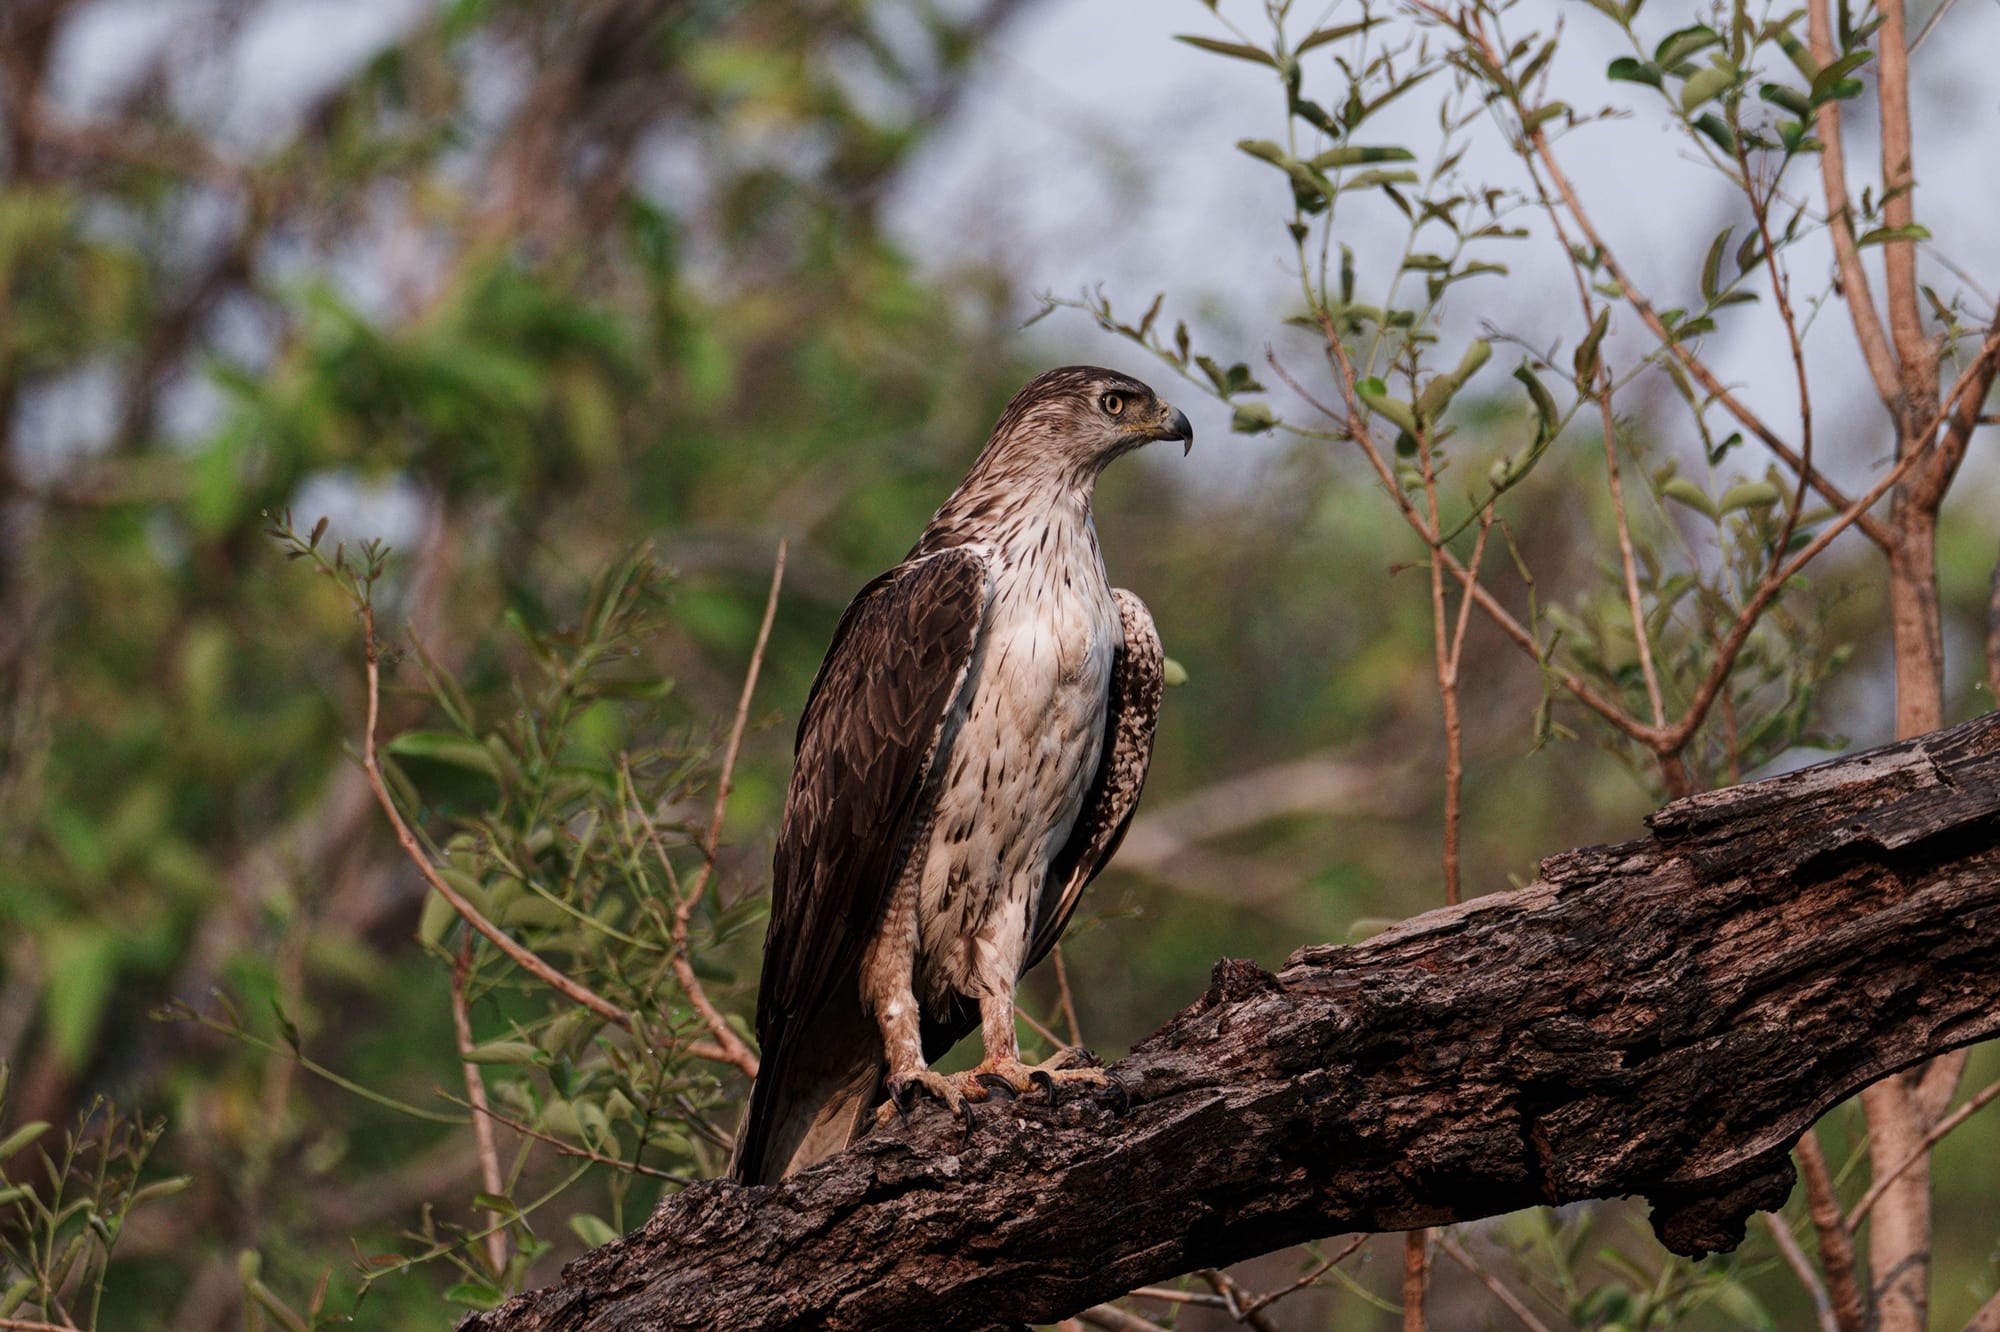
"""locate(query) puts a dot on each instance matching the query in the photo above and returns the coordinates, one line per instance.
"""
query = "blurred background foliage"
(530, 287)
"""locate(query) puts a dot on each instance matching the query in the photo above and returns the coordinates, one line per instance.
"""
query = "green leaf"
(437, 917)
(1683, 491)
(21, 1137)
(1213, 369)
(1791, 99)
(1376, 394)
(1238, 379)
(1627, 70)
(1585, 360)
(1797, 52)
(446, 747)
(158, 1189)
(1705, 84)
(1369, 179)
(1749, 495)
(1545, 403)
(1750, 253)
(1718, 131)
(1711, 267)
(1252, 418)
(474, 1295)
(1677, 46)
(1234, 50)
(1265, 151)
(82, 966)
(1333, 34)
(1357, 155)
(1542, 115)
(1437, 394)
(1833, 83)
(503, 1052)
(592, 1230)
(1881, 235)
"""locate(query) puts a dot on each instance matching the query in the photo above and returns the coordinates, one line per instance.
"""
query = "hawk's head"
(1080, 417)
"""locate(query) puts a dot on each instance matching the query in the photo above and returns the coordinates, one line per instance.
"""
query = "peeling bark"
(1662, 1018)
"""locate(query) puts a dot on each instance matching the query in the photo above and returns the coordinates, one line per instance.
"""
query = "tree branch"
(1882, 366)
(1662, 1018)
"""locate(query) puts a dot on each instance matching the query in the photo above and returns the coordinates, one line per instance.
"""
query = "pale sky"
(1094, 148)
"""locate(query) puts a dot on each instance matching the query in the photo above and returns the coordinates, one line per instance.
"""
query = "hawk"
(968, 760)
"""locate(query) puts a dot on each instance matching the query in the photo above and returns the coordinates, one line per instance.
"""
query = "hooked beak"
(1173, 424)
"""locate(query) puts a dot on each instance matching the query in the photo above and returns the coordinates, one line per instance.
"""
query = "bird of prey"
(968, 760)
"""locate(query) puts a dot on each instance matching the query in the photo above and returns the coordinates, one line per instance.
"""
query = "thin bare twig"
(733, 1049)
(1781, 291)
(728, 1047)
(1458, 1254)
(1168, 1295)
(521, 957)
(1993, 639)
(1356, 426)
(1450, 655)
(1239, 1306)
(1937, 1133)
(583, 1153)
(737, 723)
(1416, 1274)
(475, 1096)
(1899, 254)
(1114, 1319)
(1040, 1028)
(1802, 1268)
(1836, 1250)
(1538, 141)
(1272, 1297)
(1064, 996)
(1882, 367)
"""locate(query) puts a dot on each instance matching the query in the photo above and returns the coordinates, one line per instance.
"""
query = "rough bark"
(1662, 1018)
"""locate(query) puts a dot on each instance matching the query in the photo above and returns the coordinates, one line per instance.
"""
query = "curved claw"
(1081, 1057)
(1041, 1078)
(1120, 1095)
(964, 1108)
(997, 1084)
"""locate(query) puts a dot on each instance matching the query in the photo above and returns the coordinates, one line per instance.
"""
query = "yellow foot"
(904, 1090)
(1009, 1078)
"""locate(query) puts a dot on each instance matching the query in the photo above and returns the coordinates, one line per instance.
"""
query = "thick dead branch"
(1662, 1018)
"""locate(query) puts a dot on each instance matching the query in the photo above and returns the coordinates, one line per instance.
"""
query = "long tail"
(813, 1095)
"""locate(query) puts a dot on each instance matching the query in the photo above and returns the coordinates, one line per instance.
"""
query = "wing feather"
(900, 657)
(1132, 712)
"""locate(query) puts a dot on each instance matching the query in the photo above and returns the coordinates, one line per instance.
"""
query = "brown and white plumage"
(969, 757)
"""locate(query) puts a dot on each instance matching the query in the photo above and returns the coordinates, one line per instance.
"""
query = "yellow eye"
(1112, 403)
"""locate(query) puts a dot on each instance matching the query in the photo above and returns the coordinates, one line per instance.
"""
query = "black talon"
(901, 1096)
(1080, 1057)
(996, 1084)
(1124, 1097)
(971, 1123)
(1041, 1078)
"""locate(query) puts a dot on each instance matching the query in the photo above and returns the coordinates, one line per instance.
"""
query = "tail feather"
(812, 1097)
